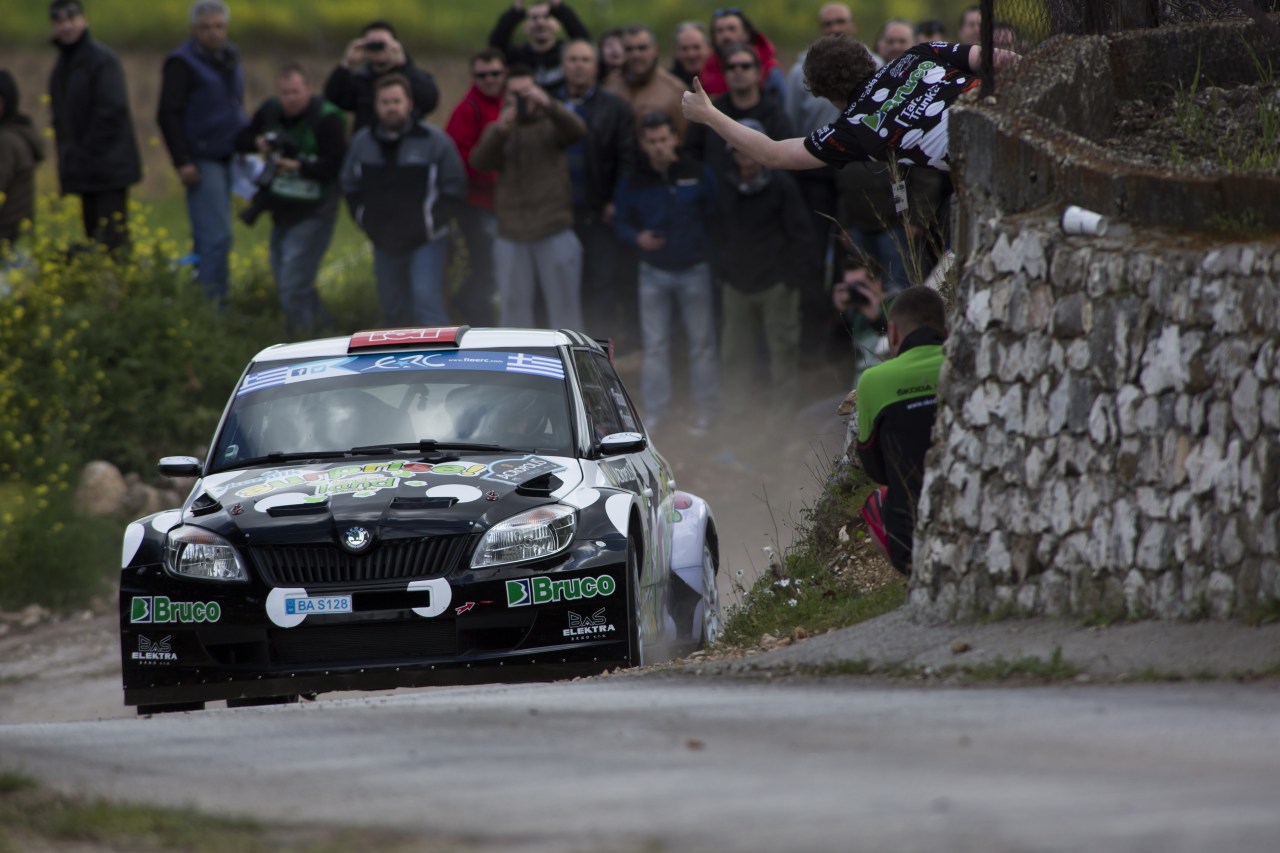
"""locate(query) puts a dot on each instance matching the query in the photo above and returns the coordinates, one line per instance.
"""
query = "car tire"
(711, 625)
(635, 632)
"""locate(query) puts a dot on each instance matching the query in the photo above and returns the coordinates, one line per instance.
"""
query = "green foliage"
(50, 554)
(34, 817)
(455, 28)
(804, 590)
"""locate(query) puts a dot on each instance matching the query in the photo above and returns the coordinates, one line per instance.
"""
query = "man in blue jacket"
(665, 208)
(201, 111)
(398, 175)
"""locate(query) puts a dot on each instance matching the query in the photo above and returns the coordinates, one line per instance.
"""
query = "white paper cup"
(1077, 220)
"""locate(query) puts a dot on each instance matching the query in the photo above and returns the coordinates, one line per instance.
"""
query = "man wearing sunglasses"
(744, 100)
(729, 28)
(479, 108)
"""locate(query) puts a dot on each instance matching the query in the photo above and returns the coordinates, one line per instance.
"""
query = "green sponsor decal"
(158, 610)
(545, 590)
(875, 119)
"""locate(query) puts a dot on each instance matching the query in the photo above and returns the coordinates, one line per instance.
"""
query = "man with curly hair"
(898, 112)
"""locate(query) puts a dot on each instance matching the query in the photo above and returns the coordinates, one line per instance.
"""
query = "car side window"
(613, 386)
(601, 412)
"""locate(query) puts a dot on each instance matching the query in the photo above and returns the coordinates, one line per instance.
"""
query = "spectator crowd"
(591, 184)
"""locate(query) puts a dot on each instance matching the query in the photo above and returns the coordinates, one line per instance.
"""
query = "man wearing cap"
(201, 111)
(97, 150)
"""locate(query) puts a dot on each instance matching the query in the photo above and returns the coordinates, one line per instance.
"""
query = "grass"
(806, 587)
(35, 817)
(426, 28)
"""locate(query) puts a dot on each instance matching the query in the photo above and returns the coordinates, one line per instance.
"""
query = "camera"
(522, 107)
(375, 45)
(279, 146)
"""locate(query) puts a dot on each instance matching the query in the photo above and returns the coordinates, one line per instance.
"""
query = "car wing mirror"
(622, 442)
(179, 466)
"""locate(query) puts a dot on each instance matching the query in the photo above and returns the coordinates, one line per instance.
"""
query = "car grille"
(398, 559)
(323, 644)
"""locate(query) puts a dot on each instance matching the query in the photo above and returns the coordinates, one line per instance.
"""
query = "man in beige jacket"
(533, 203)
(645, 85)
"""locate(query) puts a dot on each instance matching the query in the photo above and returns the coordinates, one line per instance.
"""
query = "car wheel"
(710, 598)
(635, 635)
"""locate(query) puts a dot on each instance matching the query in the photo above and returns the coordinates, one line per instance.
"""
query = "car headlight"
(193, 552)
(539, 532)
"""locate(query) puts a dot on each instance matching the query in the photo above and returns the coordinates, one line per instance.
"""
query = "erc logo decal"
(544, 590)
(159, 610)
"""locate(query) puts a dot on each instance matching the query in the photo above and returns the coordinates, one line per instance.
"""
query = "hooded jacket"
(394, 184)
(470, 117)
(97, 149)
(21, 148)
(712, 76)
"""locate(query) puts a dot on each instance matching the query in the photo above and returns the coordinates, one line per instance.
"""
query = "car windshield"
(372, 403)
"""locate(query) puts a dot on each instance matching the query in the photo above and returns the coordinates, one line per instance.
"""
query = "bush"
(124, 361)
(811, 586)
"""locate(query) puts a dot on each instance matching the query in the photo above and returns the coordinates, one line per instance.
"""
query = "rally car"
(415, 506)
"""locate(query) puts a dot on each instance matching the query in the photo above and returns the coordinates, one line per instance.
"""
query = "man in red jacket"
(478, 108)
(730, 28)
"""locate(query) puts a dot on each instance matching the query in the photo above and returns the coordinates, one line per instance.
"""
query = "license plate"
(318, 604)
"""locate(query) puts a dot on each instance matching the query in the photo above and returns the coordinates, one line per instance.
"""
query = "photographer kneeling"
(304, 141)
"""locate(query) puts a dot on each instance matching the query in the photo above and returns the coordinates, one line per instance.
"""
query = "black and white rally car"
(415, 506)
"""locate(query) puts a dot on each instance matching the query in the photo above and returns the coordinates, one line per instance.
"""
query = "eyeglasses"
(655, 119)
(483, 75)
(740, 66)
(732, 10)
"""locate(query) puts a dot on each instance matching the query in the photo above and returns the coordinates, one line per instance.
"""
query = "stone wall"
(1108, 439)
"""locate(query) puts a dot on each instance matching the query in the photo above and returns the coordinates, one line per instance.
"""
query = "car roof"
(467, 338)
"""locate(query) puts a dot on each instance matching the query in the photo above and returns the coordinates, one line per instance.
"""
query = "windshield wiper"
(427, 445)
(281, 456)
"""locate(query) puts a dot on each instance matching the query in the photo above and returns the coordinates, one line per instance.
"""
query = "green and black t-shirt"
(897, 403)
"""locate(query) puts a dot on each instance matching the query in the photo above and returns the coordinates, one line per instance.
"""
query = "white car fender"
(687, 536)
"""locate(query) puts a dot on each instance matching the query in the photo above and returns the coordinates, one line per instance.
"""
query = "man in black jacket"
(400, 177)
(304, 140)
(97, 150)
(596, 162)
(374, 54)
(764, 230)
(542, 51)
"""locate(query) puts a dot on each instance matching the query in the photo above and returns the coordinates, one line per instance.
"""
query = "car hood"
(396, 497)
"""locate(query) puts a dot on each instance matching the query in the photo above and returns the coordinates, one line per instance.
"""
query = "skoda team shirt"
(901, 112)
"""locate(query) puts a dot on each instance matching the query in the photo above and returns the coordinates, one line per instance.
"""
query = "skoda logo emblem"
(356, 539)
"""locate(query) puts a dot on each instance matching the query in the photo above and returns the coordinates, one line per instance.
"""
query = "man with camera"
(372, 55)
(303, 139)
